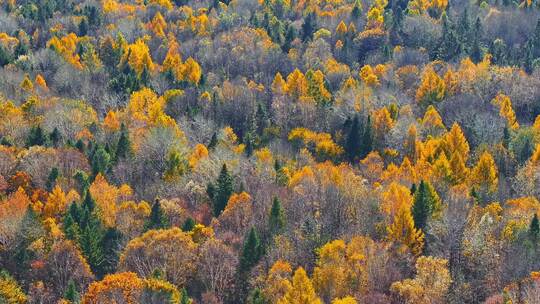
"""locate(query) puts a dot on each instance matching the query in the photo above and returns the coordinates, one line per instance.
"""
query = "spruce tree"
(90, 243)
(277, 217)
(251, 251)
(352, 145)
(111, 247)
(308, 27)
(290, 35)
(367, 139)
(213, 142)
(71, 227)
(123, 148)
(426, 201)
(534, 228)
(448, 46)
(157, 219)
(55, 137)
(83, 27)
(29, 230)
(257, 297)
(100, 161)
(189, 224)
(36, 137)
(71, 294)
(51, 179)
(5, 57)
(184, 297)
(223, 190)
(357, 10)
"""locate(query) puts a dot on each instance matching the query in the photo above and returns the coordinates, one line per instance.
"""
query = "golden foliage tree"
(171, 251)
(402, 231)
(302, 291)
(432, 88)
(430, 285)
(506, 111)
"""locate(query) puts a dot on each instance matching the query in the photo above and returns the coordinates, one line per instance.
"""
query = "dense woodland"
(269, 151)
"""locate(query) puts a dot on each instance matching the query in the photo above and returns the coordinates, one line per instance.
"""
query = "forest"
(269, 151)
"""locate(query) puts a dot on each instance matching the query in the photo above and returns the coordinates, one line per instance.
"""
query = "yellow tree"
(279, 86)
(40, 81)
(430, 284)
(297, 85)
(505, 110)
(535, 158)
(484, 174)
(171, 251)
(277, 283)
(410, 146)
(124, 287)
(455, 142)
(173, 60)
(341, 29)
(459, 169)
(402, 231)
(346, 300)
(330, 277)
(394, 199)
(192, 71)
(158, 25)
(432, 89)
(137, 55)
(432, 121)
(56, 203)
(368, 76)
(10, 291)
(199, 152)
(26, 84)
(302, 291)
(107, 197)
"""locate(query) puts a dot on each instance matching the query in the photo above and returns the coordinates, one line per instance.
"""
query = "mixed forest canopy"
(269, 151)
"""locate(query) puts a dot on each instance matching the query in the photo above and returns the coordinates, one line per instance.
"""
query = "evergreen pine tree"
(29, 230)
(277, 217)
(5, 57)
(157, 219)
(448, 46)
(100, 161)
(55, 137)
(123, 148)
(51, 179)
(357, 10)
(83, 27)
(308, 27)
(367, 139)
(189, 224)
(464, 31)
(70, 227)
(425, 202)
(90, 243)
(534, 228)
(111, 247)
(36, 137)
(223, 191)
(290, 35)
(257, 297)
(71, 294)
(251, 251)
(213, 142)
(185, 298)
(352, 145)
(506, 137)
(88, 203)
